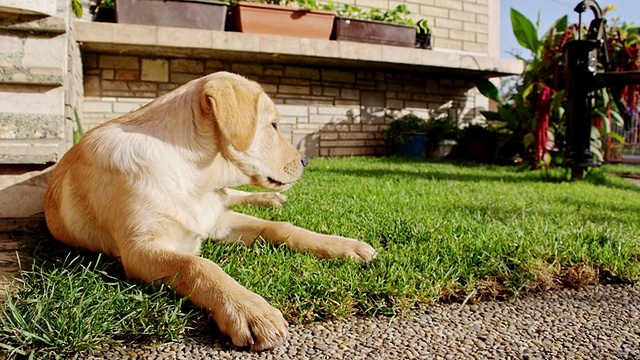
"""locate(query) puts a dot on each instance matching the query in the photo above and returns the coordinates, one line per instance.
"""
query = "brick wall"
(324, 111)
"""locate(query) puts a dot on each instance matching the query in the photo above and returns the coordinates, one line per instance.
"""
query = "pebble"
(597, 322)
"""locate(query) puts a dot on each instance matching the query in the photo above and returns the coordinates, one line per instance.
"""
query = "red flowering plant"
(533, 111)
(624, 46)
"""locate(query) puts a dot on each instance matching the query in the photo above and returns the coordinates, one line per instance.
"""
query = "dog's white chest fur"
(194, 205)
(199, 222)
(182, 192)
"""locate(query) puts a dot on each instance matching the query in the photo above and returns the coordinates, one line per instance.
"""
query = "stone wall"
(40, 85)
(324, 111)
(40, 80)
(33, 62)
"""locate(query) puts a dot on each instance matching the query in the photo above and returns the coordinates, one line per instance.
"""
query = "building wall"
(41, 65)
(324, 111)
(33, 67)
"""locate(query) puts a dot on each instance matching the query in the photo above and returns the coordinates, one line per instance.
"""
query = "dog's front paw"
(360, 251)
(345, 248)
(274, 199)
(249, 320)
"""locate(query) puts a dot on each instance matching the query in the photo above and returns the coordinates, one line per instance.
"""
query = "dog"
(150, 186)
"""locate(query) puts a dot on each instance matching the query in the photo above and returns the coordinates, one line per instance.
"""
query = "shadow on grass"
(38, 249)
(466, 175)
(85, 301)
(600, 177)
(473, 172)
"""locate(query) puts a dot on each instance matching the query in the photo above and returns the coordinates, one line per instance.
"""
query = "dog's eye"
(274, 125)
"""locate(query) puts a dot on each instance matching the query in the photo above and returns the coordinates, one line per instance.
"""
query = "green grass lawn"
(443, 232)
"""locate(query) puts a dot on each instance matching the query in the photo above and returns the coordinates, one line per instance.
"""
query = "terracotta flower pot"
(374, 32)
(281, 20)
(199, 14)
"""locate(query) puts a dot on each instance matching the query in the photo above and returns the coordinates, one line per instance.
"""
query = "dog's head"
(247, 126)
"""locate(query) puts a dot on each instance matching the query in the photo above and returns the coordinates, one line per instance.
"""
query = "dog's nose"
(304, 162)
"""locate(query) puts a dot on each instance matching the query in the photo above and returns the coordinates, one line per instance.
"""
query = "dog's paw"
(274, 199)
(360, 251)
(249, 320)
(345, 248)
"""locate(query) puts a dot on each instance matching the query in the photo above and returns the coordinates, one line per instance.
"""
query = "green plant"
(407, 124)
(423, 26)
(301, 4)
(439, 125)
(476, 132)
(78, 132)
(76, 7)
(624, 47)
(103, 10)
(109, 4)
(66, 305)
(399, 15)
(533, 111)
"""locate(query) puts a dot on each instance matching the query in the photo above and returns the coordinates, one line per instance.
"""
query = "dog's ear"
(234, 104)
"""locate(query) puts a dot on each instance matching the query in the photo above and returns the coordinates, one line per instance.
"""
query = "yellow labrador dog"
(150, 186)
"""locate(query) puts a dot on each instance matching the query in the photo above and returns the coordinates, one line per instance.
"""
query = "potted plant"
(477, 142)
(408, 136)
(102, 11)
(442, 132)
(199, 14)
(423, 35)
(390, 27)
(303, 18)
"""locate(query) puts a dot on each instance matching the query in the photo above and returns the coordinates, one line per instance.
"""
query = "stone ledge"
(31, 126)
(39, 152)
(24, 77)
(33, 23)
(195, 43)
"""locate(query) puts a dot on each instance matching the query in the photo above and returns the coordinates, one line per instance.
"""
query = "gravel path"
(599, 322)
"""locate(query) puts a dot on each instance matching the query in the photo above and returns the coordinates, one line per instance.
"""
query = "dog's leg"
(248, 228)
(239, 197)
(243, 315)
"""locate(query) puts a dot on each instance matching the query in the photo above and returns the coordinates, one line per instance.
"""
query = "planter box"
(281, 20)
(198, 14)
(374, 32)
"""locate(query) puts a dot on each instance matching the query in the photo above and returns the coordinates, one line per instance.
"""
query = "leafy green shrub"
(439, 125)
(533, 111)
